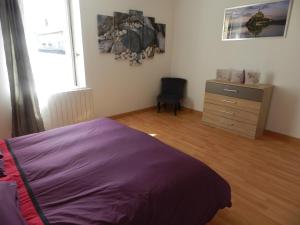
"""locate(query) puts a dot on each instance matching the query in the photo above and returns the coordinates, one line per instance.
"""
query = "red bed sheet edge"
(27, 207)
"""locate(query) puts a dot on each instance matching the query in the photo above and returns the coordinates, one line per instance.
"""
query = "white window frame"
(72, 43)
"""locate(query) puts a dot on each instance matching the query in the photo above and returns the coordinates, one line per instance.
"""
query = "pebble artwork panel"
(105, 33)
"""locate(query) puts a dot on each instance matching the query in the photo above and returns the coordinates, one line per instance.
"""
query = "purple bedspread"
(101, 172)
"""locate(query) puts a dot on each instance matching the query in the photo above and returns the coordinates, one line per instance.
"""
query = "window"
(53, 50)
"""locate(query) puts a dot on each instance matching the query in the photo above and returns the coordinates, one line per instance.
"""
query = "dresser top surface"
(255, 86)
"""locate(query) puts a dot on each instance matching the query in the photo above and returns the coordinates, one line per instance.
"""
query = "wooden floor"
(264, 174)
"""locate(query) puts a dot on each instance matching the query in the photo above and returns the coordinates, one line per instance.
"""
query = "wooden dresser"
(238, 108)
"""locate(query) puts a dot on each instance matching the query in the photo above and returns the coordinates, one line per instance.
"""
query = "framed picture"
(252, 77)
(256, 21)
(223, 74)
(237, 76)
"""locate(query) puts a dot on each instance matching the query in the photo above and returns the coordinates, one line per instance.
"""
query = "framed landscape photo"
(268, 19)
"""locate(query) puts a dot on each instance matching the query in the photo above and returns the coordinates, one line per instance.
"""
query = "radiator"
(68, 108)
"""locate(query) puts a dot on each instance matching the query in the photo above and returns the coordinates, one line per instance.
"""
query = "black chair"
(172, 91)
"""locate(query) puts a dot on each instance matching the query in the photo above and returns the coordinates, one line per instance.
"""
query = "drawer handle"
(226, 112)
(230, 90)
(228, 101)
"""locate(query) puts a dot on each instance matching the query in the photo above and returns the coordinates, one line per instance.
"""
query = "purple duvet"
(104, 173)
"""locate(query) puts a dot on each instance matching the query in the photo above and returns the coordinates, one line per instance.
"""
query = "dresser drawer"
(231, 113)
(235, 91)
(230, 125)
(235, 103)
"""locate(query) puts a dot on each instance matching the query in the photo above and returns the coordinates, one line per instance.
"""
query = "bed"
(104, 173)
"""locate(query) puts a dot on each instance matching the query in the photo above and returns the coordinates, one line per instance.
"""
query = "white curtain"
(5, 108)
(26, 118)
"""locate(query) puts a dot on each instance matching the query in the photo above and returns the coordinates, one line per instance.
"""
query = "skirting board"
(268, 132)
(133, 112)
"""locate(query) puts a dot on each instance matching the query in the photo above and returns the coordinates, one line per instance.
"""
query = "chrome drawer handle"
(226, 112)
(230, 90)
(228, 101)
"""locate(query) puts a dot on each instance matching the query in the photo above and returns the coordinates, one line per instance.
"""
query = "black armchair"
(172, 91)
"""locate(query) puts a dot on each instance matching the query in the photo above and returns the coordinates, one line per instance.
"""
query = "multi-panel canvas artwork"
(131, 36)
(254, 21)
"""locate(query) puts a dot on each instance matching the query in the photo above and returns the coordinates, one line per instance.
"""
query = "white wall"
(119, 87)
(198, 51)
